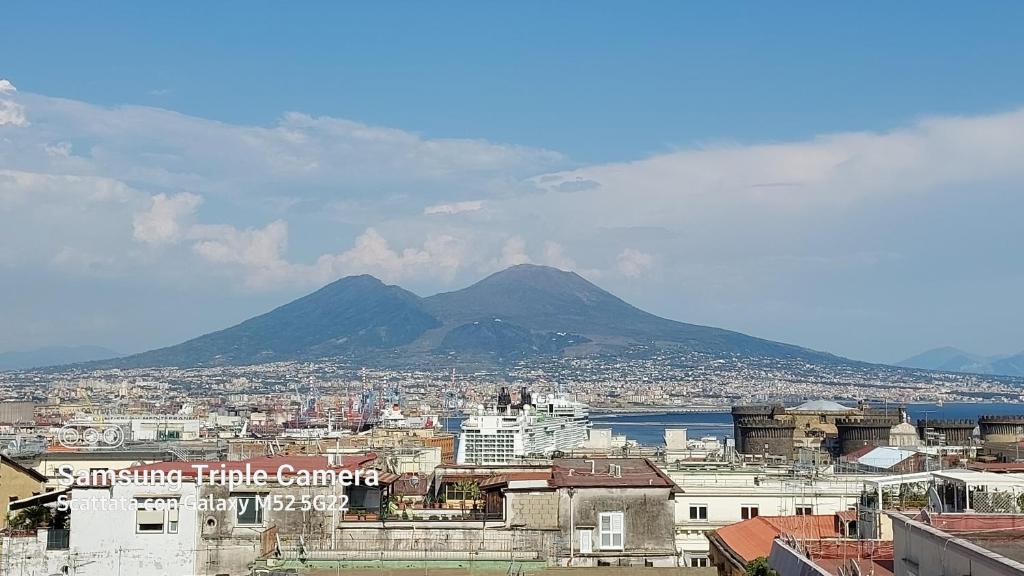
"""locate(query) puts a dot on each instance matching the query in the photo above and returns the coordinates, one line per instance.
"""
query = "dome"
(903, 434)
(821, 406)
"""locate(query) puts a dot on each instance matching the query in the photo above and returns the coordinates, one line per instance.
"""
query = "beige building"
(16, 482)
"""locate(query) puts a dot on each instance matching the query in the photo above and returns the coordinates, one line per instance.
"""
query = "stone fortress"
(775, 430)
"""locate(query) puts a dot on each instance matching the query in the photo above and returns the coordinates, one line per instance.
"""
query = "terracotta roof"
(268, 464)
(609, 473)
(751, 539)
(997, 466)
(863, 450)
(847, 515)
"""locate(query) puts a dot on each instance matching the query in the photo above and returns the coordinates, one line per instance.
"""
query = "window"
(149, 519)
(698, 511)
(172, 520)
(248, 510)
(611, 530)
(748, 511)
(156, 516)
(804, 510)
(699, 562)
(457, 491)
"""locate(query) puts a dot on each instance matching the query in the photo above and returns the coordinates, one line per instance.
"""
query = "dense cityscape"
(662, 381)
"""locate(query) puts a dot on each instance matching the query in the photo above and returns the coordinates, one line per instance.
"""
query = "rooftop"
(271, 465)
(609, 473)
(751, 539)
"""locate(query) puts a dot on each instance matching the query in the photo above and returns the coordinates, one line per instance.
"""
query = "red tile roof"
(856, 454)
(751, 539)
(847, 515)
(268, 464)
(997, 466)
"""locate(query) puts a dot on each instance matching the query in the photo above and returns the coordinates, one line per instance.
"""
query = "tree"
(760, 567)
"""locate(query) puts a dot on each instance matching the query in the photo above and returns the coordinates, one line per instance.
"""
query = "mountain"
(519, 312)
(347, 317)
(52, 356)
(544, 299)
(948, 359)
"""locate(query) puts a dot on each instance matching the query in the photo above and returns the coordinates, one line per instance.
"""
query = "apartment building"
(715, 496)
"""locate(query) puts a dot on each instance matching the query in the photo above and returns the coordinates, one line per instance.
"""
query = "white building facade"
(716, 497)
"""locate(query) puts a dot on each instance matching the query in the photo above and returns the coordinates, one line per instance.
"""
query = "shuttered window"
(611, 530)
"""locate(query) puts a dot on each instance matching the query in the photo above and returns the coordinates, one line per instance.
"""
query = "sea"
(648, 428)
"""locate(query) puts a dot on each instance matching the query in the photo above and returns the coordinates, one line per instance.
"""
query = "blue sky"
(593, 80)
(842, 178)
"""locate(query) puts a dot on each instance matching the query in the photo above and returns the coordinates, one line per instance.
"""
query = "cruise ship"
(505, 433)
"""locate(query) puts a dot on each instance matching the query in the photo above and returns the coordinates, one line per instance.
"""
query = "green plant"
(30, 518)
(470, 491)
(760, 567)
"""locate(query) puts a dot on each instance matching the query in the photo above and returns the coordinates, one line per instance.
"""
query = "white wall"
(726, 492)
(106, 542)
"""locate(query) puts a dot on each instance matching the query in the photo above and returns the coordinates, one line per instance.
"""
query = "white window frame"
(613, 519)
(804, 510)
(697, 518)
(747, 508)
(698, 561)
(586, 541)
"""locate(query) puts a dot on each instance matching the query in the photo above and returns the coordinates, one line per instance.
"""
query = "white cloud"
(633, 263)
(513, 252)
(554, 255)
(259, 252)
(722, 219)
(454, 208)
(440, 256)
(162, 222)
(11, 113)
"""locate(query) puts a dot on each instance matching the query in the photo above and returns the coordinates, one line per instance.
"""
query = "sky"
(847, 178)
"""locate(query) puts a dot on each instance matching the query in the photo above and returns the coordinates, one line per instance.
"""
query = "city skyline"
(870, 213)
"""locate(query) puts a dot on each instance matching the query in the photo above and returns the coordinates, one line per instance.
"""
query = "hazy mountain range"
(948, 359)
(519, 312)
(52, 356)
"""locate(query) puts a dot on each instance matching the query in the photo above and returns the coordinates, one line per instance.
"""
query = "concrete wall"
(921, 550)
(105, 541)
(532, 509)
(17, 412)
(227, 548)
(648, 520)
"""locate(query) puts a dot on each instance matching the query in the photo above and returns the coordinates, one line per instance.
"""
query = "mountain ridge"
(522, 311)
(53, 356)
(950, 359)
